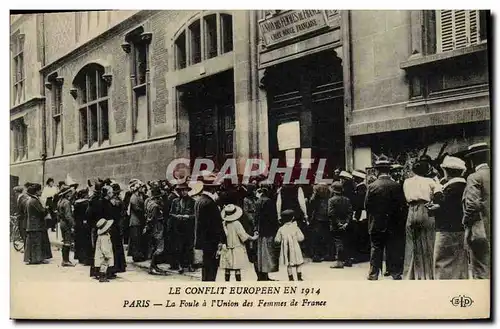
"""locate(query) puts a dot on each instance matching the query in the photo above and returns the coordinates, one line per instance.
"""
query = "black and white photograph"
(250, 148)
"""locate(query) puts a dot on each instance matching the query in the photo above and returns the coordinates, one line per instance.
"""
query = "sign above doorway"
(289, 24)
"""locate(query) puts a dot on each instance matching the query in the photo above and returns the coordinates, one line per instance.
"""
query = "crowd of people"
(432, 225)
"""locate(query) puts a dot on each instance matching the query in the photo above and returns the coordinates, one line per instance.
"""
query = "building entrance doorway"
(210, 105)
(310, 92)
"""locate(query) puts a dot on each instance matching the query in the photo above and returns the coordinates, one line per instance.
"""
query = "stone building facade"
(120, 94)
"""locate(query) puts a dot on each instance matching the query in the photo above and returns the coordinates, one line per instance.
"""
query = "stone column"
(242, 87)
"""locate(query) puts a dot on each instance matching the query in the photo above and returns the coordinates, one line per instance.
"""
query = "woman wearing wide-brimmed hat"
(450, 254)
(419, 192)
(233, 256)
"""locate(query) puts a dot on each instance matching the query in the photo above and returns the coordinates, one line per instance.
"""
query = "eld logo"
(462, 301)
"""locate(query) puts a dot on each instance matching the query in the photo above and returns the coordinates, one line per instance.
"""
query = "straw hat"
(231, 213)
(359, 173)
(450, 162)
(103, 225)
(477, 148)
(345, 174)
(196, 188)
(382, 162)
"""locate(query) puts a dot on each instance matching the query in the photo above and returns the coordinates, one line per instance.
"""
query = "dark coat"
(384, 203)
(35, 215)
(339, 211)
(83, 240)
(319, 204)
(209, 230)
(449, 215)
(266, 217)
(137, 210)
(65, 213)
(358, 201)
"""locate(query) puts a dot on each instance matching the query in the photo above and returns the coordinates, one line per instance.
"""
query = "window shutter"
(445, 29)
(457, 29)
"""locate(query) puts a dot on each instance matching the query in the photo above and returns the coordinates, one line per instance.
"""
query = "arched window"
(206, 37)
(92, 96)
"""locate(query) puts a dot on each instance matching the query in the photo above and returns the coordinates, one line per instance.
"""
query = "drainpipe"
(254, 84)
(44, 107)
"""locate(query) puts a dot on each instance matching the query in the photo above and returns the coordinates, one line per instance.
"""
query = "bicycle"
(15, 235)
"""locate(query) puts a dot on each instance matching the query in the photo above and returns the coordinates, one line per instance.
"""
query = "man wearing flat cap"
(477, 210)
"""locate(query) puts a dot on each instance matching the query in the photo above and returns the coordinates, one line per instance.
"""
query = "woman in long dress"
(450, 253)
(83, 239)
(117, 214)
(266, 221)
(420, 227)
(37, 248)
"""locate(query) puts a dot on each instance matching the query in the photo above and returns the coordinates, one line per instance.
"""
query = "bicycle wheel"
(18, 244)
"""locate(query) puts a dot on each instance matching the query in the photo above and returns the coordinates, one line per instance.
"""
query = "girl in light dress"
(233, 255)
(289, 235)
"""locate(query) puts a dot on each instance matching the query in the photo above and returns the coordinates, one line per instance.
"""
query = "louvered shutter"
(457, 29)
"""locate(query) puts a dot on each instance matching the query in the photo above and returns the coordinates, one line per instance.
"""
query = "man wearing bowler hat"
(209, 230)
(383, 203)
(477, 210)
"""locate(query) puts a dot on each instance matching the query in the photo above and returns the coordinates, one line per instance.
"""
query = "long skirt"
(83, 245)
(118, 251)
(450, 256)
(134, 244)
(37, 247)
(419, 249)
(267, 255)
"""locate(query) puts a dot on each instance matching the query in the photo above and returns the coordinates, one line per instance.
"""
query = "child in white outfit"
(289, 235)
(103, 257)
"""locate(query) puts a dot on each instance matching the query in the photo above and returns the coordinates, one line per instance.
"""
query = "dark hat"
(155, 187)
(82, 193)
(107, 181)
(477, 148)
(182, 186)
(116, 187)
(287, 214)
(18, 189)
(337, 187)
(209, 179)
(33, 188)
(65, 190)
(382, 162)
(421, 167)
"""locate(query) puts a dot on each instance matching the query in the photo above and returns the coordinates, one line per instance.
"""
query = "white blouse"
(418, 188)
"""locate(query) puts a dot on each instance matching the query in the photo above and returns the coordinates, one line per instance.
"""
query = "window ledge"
(418, 61)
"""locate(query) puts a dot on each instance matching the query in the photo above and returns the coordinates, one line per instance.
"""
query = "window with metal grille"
(458, 29)
(93, 98)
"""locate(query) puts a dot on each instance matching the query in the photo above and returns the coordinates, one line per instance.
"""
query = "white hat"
(450, 162)
(231, 213)
(359, 173)
(345, 174)
(103, 225)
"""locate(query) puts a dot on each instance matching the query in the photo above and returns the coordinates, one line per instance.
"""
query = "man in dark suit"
(477, 211)
(383, 204)
(209, 229)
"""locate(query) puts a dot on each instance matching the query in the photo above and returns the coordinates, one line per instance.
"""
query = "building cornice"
(27, 104)
(100, 39)
(18, 22)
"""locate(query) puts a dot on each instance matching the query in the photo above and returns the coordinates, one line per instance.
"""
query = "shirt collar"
(482, 165)
(454, 180)
(210, 195)
(384, 176)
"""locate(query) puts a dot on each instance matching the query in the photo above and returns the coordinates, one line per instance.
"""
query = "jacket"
(209, 230)
(65, 213)
(339, 211)
(449, 215)
(35, 215)
(476, 198)
(154, 216)
(358, 201)
(266, 217)
(136, 210)
(384, 204)
(319, 204)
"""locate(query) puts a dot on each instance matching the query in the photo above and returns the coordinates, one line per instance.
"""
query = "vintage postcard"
(250, 164)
